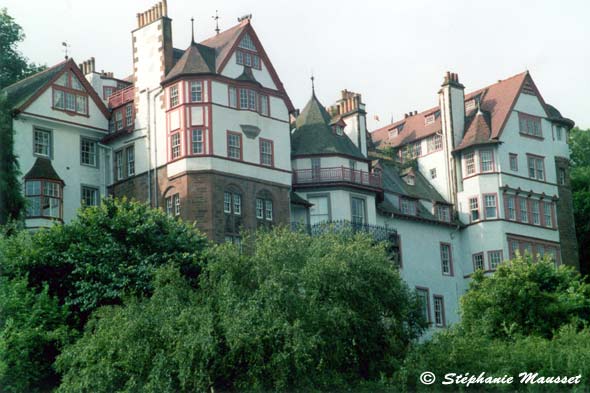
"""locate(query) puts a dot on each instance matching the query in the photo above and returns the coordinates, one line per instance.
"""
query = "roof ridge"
(36, 74)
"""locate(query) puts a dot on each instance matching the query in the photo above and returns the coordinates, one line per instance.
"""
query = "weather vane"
(216, 17)
(66, 46)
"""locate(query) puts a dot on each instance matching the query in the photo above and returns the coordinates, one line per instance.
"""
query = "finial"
(479, 106)
(312, 84)
(66, 46)
(216, 17)
(193, 30)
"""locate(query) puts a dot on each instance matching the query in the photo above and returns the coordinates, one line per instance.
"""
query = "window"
(70, 102)
(446, 259)
(410, 179)
(42, 143)
(233, 97)
(44, 198)
(248, 59)
(176, 202)
(513, 162)
(439, 311)
(58, 99)
(89, 196)
(118, 120)
(320, 210)
(243, 98)
(511, 205)
(561, 176)
(119, 165)
(237, 199)
(392, 133)
(490, 205)
(494, 258)
(470, 163)
(259, 208)
(268, 210)
(252, 100)
(81, 104)
(316, 167)
(429, 119)
(169, 206)
(266, 152)
(358, 211)
(558, 133)
(486, 160)
(408, 206)
(75, 83)
(474, 208)
(196, 91)
(173, 96)
(469, 105)
(227, 202)
(88, 153)
(338, 130)
(478, 262)
(175, 146)
(69, 95)
(422, 294)
(352, 164)
(264, 109)
(524, 213)
(234, 145)
(264, 209)
(197, 141)
(536, 167)
(443, 213)
(535, 212)
(433, 173)
(130, 151)
(530, 125)
(548, 214)
(247, 43)
(107, 91)
(128, 115)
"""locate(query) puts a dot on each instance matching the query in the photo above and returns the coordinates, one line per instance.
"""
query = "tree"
(525, 297)
(106, 252)
(13, 65)
(287, 312)
(579, 142)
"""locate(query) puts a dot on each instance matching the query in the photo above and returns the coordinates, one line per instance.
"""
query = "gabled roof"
(393, 181)
(478, 131)
(22, 93)
(196, 59)
(42, 169)
(18, 93)
(224, 42)
(313, 134)
(497, 100)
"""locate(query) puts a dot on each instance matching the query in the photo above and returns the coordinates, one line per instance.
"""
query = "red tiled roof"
(478, 131)
(497, 100)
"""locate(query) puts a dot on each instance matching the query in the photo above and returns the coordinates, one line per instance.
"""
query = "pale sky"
(394, 53)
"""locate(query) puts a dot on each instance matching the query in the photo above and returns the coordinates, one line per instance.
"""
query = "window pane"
(237, 204)
(259, 208)
(197, 139)
(319, 212)
(268, 210)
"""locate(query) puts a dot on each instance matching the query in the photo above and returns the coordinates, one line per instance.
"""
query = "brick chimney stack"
(87, 67)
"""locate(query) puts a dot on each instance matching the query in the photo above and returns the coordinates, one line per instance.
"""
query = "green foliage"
(289, 312)
(579, 142)
(11, 199)
(525, 298)
(13, 65)
(32, 330)
(105, 252)
(567, 353)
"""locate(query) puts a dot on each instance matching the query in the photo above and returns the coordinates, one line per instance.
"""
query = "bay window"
(44, 198)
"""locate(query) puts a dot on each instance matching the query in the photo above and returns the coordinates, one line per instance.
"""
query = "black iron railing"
(379, 233)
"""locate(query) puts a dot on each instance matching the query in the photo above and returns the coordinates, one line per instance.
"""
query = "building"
(208, 133)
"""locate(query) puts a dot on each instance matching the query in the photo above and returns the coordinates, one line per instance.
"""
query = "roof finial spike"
(216, 17)
(192, 30)
(66, 46)
(479, 112)
(312, 84)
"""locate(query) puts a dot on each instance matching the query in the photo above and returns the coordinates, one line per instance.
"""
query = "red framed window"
(536, 167)
(478, 261)
(234, 145)
(175, 146)
(196, 91)
(44, 198)
(198, 141)
(494, 259)
(490, 205)
(530, 125)
(266, 152)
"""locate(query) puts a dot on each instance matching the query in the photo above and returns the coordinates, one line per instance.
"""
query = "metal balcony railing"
(336, 175)
(379, 233)
(121, 97)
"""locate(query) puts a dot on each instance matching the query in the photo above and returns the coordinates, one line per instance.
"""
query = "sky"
(394, 53)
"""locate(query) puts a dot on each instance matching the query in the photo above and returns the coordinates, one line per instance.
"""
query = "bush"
(289, 312)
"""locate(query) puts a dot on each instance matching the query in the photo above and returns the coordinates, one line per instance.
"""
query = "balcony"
(337, 175)
(121, 97)
(377, 232)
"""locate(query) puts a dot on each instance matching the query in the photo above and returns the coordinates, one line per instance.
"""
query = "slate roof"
(298, 200)
(313, 134)
(18, 93)
(478, 131)
(42, 169)
(224, 42)
(196, 59)
(393, 182)
(555, 115)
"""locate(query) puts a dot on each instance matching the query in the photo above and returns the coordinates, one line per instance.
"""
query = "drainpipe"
(107, 160)
(149, 143)
(157, 200)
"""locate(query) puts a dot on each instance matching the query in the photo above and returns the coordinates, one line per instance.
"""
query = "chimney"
(451, 98)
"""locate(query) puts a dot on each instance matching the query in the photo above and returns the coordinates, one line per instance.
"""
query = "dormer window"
(247, 43)
(429, 119)
(410, 179)
(392, 133)
(469, 105)
(69, 95)
(338, 130)
(246, 53)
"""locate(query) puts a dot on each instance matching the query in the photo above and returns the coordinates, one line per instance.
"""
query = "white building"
(209, 134)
